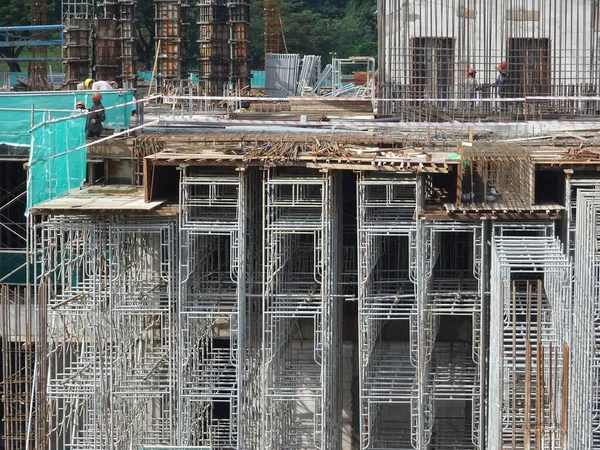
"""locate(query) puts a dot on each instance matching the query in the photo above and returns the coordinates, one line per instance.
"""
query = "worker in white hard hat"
(95, 85)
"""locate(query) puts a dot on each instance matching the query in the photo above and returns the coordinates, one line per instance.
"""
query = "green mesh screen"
(56, 161)
(16, 117)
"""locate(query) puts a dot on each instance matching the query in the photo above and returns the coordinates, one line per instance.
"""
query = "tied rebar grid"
(497, 172)
(584, 417)
(108, 287)
(302, 312)
(18, 352)
(219, 321)
(529, 335)
(426, 49)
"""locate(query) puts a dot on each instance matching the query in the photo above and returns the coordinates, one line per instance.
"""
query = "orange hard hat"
(502, 65)
(97, 96)
(80, 105)
(471, 70)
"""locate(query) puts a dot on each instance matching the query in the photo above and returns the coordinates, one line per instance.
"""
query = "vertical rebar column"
(272, 24)
(214, 48)
(76, 59)
(107, 47)
(128, 42)
(169, 20)
(239, 41)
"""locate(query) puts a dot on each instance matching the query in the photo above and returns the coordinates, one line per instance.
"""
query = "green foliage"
(17, 13)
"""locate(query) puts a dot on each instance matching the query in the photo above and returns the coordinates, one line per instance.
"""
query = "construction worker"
(93, 126)
(95, 85)
(80, 107)
(502, 82)
(472, 86)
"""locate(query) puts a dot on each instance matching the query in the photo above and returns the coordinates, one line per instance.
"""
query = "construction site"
(367, 253)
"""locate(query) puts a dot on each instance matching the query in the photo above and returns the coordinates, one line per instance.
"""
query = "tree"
(144, 27)
(17, 13)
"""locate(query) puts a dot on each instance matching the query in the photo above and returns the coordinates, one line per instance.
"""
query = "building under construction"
(419, 270)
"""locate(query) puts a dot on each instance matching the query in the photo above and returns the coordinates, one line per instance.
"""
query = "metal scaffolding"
(387, 301)
(302, 312)
(219, 322)
(413, 276)
(107, 290)
(18, 353)
(584, 418)
(529, 334)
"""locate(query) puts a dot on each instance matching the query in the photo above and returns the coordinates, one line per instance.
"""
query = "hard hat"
(502, 65)
(80, 105)
(97, 96)
(88, 83)
(471, 70)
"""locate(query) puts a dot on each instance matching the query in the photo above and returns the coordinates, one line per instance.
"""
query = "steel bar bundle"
(302, 313)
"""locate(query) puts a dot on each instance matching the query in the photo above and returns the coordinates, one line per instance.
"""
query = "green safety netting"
(57, 159)
(16, 116)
